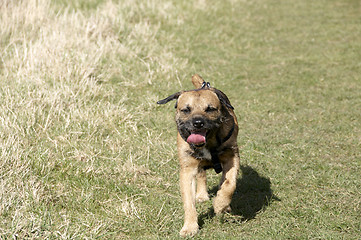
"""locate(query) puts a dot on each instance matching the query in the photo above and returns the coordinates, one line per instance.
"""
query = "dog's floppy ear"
(223, 98)
(170, 98)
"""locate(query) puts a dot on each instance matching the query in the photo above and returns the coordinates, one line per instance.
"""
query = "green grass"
(85, 152)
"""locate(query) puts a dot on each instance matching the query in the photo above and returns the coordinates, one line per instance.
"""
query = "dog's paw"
(221, 206)
(189, 230)
(202, 197)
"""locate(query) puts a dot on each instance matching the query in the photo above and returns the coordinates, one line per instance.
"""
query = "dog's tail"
(197, 81)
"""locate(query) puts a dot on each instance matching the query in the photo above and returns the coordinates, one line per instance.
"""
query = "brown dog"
(207, 138)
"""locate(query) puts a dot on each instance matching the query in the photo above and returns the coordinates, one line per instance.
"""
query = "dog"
(207, 138)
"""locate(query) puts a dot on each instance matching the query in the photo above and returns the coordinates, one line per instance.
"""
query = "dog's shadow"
(253, 194)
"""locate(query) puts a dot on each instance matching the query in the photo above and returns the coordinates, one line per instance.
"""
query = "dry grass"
(60, 113)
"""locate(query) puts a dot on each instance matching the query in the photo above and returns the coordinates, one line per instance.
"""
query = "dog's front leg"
(230, 163)
(202, 194)
(188, 191)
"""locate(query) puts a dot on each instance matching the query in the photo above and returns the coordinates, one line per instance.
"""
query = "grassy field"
(85, 152)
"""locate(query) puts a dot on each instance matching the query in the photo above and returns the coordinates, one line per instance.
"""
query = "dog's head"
(199, 113)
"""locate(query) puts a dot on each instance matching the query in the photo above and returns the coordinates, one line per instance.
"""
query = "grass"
(86, 153)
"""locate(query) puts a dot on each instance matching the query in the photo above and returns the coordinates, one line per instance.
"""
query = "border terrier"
(207, 138)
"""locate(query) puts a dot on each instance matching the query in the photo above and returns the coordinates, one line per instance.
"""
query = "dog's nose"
(198, 123)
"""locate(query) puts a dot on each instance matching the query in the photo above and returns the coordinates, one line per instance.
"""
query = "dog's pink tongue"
(196, 138)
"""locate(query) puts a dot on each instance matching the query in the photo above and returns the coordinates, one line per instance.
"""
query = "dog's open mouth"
(197, 138)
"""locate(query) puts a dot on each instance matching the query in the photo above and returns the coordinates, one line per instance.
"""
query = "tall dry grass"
(59, 106)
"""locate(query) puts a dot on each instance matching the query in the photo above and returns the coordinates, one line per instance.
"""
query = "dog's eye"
(210, 109)
(186, 110)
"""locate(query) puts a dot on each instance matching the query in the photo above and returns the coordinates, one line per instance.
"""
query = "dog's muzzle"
(198, 134)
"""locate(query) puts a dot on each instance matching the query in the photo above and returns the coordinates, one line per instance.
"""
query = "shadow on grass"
(253, 194)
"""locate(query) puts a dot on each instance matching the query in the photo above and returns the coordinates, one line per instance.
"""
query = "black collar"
(214, 152)
(221, 141)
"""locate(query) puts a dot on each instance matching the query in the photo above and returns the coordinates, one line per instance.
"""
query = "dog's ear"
(223, 98)
(170, 98)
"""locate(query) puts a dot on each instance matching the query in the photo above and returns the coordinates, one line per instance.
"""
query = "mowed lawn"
(86, 153)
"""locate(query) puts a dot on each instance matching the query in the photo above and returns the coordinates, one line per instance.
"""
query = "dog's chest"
(202, 154)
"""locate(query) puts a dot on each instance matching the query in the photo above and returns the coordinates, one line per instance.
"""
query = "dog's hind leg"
(202, 194)
(230, 163)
